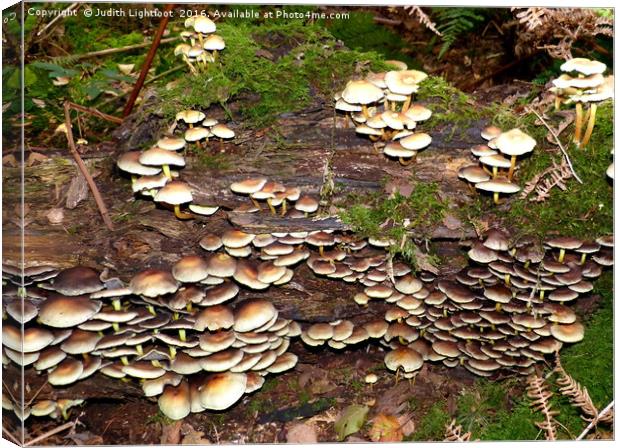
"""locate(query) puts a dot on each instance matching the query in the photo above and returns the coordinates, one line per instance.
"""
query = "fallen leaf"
(407, 426)
(301, 433)
(385, 428)
(423, 262)
(350, 421)
(452, 222)
(192, 436)
(171, 434)
(10, 160)
(55, 215)
(35, 157)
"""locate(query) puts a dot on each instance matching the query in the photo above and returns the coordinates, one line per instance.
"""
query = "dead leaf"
(301, 433)
(385, 428)
(55, 215)
(78, 191)
(350, 421)
(39, 103)
(171, 434)
(10, 160)
(193, 437)
(35, 157)
(423, 261)
(407, 426)
(452, 222)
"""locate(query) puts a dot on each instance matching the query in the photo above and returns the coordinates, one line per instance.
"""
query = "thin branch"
(61, 15)
(602, 414)
(11, 436)
(557, 140)
(94, 112)
(50, 433)
(107, 51)
(91, 183)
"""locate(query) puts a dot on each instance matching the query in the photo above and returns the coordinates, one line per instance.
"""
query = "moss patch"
(252, 68)
(395, 217)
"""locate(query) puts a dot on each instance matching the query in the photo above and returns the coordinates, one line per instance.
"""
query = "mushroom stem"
(124, 360)
(406, 104)
(151, 310)
(365, 111)
(256, 203)
(578, 122)
(115, 327)
(139, 349)
(182, 335)
(116, 304)
(199, 144)
(173, 352)
(321, 250)
(404, 162)
(188, 307)
(494, 174)
(189, 63)
(273, 210)
(134, 178)
(513, 165)
(556, 103)
(583, 258)
(214, 54)
(507, 279)
(167, 172)
(179, 214)
(496, 198)
(498, 307)
(561, 256)
(542, 295)
(283, 212)
(590, 128)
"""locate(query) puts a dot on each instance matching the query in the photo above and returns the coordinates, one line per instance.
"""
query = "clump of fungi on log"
(201, 45)
(275, 194)
(380, 106)
(583, 83)
(188, 338)
(150, 170)
(488, 174)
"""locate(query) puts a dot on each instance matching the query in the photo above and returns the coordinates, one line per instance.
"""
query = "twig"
(148, 61)
(95, 112)
(91, 183)
(107, 51)
(557, 140)
(11, 436)
(50, 433)
(596, 420)
(59, 16)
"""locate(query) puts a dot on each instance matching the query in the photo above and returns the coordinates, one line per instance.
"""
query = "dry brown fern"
(542, 183)
(454, 433)
(538, 391)
(423, 18)
(556, 30)
(578, 395)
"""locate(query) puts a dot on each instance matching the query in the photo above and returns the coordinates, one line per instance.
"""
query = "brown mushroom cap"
(568, 332)
(77, 280)
(190, 269)
(220, 391)
(404, 357)
(66, 312)
(515, 142)
(473, 174)
(174, 402)
(174, 193)
(153, 283)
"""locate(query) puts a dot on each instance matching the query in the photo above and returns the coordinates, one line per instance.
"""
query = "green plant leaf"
(351, 420)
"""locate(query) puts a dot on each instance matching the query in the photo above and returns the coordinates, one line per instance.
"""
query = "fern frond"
(538, 391)
(423, 18)
(454, 433)
(453, 23)
(578, 395)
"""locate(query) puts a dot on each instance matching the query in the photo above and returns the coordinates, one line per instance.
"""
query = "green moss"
(432, 426)
(258, 61)
(378, 217)
(514, 424)
(217, 161)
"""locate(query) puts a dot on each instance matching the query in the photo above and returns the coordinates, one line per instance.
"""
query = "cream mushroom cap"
(361, 92)
(515, 142)
(130, 162)
(584, 66)
(214, 42)
(158, 157)
(204, 25)
(416, 141)
(174, 193)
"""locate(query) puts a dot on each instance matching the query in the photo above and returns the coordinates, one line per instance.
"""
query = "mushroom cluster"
(150, 170)
(380, 107)
(505, 311)
(487, 175)
(583, 83)
(201, 44)
(200, 127)
(194, 342)
(275, 194)
(178, 336)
